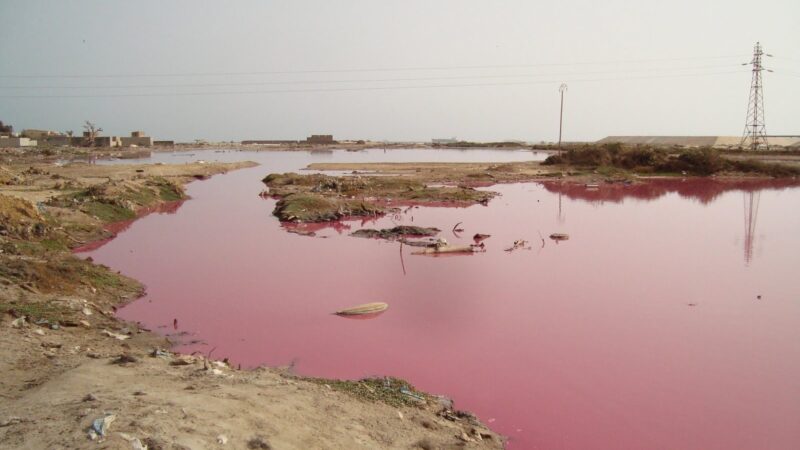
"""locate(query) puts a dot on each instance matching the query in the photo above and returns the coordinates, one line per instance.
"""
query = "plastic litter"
(101, 425)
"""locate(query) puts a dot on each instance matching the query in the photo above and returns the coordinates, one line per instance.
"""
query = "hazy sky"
(286, 69)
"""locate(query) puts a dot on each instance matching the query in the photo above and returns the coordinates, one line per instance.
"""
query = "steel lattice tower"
(755, 132)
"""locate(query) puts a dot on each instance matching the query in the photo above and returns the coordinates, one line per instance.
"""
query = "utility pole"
(755, 131)
(561, 89)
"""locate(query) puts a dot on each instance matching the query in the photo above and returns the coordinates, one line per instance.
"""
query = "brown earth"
(67, 360)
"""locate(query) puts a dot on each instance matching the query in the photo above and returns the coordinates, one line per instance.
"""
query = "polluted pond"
(556, 346)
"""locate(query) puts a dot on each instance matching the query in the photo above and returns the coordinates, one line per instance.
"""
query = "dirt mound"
(306, 207)
(19, 218)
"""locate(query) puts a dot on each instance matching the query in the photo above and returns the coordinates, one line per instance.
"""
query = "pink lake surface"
(590, 343)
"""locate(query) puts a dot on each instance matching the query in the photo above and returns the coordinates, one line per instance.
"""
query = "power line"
(373, 80)
(353, 89)
(352, 70)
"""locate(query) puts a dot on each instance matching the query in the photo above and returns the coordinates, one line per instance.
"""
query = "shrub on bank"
(699, 161)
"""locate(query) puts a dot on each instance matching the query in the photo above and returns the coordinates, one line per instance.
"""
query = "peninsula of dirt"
(75, 376)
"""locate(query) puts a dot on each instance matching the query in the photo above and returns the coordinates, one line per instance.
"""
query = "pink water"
(590, 343)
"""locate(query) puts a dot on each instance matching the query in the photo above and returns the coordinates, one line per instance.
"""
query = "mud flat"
(68, 361)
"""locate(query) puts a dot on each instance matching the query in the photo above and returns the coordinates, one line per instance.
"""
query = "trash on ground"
(118, 336)
(367, 308)
(101, 425)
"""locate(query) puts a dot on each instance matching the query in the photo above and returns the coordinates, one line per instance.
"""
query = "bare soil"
(66, 360)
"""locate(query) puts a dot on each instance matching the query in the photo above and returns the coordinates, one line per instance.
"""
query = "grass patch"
(36, 311)
(387, 390)
(108, 212)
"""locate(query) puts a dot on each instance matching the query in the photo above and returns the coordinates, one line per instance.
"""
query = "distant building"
(268, 142)
(444, 141)
(138, 139)
(39, 134)
(320, 139)
(16, 142)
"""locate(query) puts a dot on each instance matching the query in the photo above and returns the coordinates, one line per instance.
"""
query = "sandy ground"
(67, 361)
(59, 386)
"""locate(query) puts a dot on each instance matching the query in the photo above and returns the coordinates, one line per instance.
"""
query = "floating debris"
(559, 236)
(396, 232)
(519, 244)
(480, 237)
(367, 308)
(448, 249)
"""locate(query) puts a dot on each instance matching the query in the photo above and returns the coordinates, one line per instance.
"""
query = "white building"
(16, 142)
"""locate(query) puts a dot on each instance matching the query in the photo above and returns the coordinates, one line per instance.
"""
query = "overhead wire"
(360, 88)
(363, 69)
(367, 80)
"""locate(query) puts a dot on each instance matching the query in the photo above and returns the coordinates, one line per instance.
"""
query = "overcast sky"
(477, 70)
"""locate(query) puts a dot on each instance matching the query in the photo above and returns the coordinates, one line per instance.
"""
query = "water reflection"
(118, 227)
(704, 190)
(751, 202)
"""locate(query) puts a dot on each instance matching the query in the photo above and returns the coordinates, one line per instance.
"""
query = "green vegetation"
(36, 311)
(642, 159)
(108, 212)
(118, 201)
(392, 391)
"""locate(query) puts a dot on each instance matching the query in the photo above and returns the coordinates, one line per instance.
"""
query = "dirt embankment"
(74, 376)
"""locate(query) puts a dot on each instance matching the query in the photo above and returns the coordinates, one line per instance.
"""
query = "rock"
(84, 324)
(222, 439)
(86, 311)
(39, 331)
(124, 359)
(258, 442)
(183, 360)
(444, 402)
(10, 421)
(89, 398)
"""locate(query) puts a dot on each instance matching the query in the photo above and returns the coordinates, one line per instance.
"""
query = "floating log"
(559, 236)
(366, 308)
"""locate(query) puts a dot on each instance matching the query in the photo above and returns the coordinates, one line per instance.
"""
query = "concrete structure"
(138, 139)
(320, 139)
(16, 142)
(39, 134)
(695, 141)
